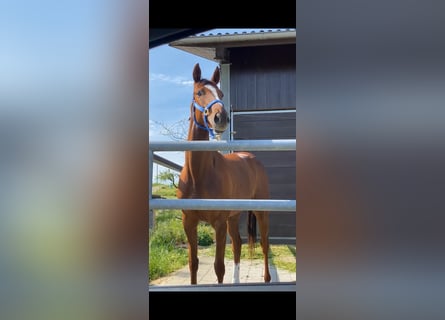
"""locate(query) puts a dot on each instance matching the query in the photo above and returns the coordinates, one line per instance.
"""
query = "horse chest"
(210, 189)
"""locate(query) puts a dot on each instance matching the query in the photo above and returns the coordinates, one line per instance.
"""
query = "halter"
(205, 112)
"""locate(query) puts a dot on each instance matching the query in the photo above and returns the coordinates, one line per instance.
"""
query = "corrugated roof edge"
(213, 46)
(238, 33)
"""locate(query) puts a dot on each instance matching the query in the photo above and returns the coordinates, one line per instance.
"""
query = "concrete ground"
(251, 271)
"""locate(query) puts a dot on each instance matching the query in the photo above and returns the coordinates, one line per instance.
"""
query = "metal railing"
(220, 204)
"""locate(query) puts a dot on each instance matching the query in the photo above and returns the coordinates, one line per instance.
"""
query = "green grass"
(164, 261)
(167, 243)
(164, 190)
(166, 251)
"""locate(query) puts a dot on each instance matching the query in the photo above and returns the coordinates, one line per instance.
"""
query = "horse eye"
(199, 93)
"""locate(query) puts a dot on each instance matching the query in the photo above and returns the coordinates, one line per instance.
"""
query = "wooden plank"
(263, 77)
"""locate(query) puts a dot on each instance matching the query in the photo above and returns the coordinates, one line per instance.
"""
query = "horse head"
(208, 108)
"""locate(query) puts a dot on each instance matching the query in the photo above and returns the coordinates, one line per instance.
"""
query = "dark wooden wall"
(263, 78)
(280, 165)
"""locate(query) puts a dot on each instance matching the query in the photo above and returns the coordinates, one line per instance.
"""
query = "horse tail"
(251, 231)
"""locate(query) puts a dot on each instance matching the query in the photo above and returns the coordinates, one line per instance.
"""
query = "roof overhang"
(161, 36)
(214, 47)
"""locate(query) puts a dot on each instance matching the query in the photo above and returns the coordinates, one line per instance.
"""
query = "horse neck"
(198, 162)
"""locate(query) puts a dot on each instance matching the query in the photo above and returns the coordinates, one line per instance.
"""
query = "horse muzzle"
(220, 121)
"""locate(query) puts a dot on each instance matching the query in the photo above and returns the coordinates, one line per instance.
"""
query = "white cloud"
(166, 78)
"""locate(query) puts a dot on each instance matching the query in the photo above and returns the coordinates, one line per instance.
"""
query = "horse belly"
(243, 186)
(209, 216)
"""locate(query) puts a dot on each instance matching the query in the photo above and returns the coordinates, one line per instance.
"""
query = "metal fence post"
(150, 184)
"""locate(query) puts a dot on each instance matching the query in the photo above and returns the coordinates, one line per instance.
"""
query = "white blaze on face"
(235, 277)
(213, 91)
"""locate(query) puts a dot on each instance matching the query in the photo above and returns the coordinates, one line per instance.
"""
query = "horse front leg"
(191, 231)
(220, 235)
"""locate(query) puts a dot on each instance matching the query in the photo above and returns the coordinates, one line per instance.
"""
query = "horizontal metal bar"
(223, 204)
(249, 287)
(264, 111)
(234, 145)
(166, 163)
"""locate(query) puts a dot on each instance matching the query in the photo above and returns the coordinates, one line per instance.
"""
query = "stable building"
(258, 78)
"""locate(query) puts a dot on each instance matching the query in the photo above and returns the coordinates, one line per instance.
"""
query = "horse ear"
(197, 73)
(216, 75)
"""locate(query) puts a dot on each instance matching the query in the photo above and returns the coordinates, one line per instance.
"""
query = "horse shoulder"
(184, 184)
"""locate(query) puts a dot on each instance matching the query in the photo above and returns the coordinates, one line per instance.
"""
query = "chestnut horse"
(212, 175)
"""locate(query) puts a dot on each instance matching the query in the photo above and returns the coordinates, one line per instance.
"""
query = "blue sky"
(170, 87)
